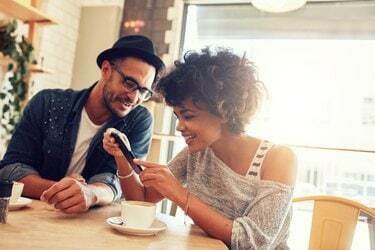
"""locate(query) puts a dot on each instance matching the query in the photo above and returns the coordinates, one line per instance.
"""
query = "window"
(317, 64)
(318, 70)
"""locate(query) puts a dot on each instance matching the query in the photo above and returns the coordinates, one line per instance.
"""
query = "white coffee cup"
(16, 191)
(138, 214)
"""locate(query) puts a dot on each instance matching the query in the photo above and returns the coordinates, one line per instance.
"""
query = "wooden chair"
(173, 210)
(334, 221)
(164, 207)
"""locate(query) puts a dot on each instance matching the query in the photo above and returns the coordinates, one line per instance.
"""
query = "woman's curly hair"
(220, 80)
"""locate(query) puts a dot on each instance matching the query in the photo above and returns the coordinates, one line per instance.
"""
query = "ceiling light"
(277, 6)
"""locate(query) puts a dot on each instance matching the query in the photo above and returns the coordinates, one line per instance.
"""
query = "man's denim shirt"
(44, 141)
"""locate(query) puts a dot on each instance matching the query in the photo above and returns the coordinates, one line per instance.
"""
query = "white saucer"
(156, 227)
(21, 202)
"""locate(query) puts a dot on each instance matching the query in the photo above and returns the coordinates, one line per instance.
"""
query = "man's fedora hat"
(135, 46)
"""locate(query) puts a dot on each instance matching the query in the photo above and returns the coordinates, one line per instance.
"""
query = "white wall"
(99, 29)
(57, 44)
(119, 3)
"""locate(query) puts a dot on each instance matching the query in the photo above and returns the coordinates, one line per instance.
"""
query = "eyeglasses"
(131, 85)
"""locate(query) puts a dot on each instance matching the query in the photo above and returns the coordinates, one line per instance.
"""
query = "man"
(57, 146)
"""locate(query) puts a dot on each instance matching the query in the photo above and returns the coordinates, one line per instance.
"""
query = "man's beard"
(109, 98)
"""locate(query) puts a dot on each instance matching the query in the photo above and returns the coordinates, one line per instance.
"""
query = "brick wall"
(154, 15)
(57, 43)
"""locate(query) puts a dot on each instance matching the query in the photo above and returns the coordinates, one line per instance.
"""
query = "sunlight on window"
(317, 89)
(321, 98)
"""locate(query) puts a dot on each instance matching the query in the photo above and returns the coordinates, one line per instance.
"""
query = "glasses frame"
(131, 85)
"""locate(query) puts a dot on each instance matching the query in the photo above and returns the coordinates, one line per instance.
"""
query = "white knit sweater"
(260, 209)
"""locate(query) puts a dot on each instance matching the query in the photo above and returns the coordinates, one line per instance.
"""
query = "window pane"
(320, 91)
(317, 64)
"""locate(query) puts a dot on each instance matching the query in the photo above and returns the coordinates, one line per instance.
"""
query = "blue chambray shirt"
(44, 141)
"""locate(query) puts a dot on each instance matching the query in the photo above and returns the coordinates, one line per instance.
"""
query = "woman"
(237, 188)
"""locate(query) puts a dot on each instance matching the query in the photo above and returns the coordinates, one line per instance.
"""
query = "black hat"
(136, 46)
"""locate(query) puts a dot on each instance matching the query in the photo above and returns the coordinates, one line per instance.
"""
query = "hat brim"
(114, 53)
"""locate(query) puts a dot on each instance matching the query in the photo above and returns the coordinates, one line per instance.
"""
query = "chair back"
(334, 221)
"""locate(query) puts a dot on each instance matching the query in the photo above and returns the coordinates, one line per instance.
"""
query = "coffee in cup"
(138, 214)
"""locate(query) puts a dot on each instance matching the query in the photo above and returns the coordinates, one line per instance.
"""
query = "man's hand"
(70, 195)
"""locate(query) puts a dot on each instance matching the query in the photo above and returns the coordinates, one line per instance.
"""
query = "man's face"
(118, 98)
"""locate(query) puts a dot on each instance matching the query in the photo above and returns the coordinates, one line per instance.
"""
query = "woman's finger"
(150, 183)
(152, 170)
(149, 176)
(108, 140)
(147, 164)
(110, 130)
(111, 145)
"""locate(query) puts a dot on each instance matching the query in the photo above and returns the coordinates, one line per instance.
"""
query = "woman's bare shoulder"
(280, 165)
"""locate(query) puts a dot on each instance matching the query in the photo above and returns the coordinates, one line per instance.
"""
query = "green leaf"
(21, 52)
(6, 108)
(21, 91)
(10, 66)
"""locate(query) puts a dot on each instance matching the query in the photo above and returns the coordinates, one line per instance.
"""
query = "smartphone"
(127, 153)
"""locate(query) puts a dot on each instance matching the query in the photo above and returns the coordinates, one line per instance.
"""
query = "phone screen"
(127, 153)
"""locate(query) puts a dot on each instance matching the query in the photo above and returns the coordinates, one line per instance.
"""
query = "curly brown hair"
(220, 80)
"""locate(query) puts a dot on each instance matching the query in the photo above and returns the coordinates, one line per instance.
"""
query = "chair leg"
(164, 204)
(371, 230)
(173, 209)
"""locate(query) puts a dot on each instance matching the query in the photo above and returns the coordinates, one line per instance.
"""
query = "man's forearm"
(103, 194)
(35, 186)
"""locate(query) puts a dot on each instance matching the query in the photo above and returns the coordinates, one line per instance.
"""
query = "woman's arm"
(131, 186)
(213, 222)
(267, 212)
(163, 181)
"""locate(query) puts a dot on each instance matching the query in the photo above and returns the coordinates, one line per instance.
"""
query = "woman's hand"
(161, 179)
(109, 144)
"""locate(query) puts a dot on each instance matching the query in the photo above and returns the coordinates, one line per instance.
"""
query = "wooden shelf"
(27, 13)
(167, 137)
(4, 61)
(37, 69)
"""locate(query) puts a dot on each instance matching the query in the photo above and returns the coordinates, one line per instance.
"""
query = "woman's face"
(198, 126)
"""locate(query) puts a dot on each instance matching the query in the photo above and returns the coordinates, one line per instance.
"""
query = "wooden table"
(40, 226)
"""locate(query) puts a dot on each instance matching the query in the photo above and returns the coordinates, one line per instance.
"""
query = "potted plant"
(17, 52)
